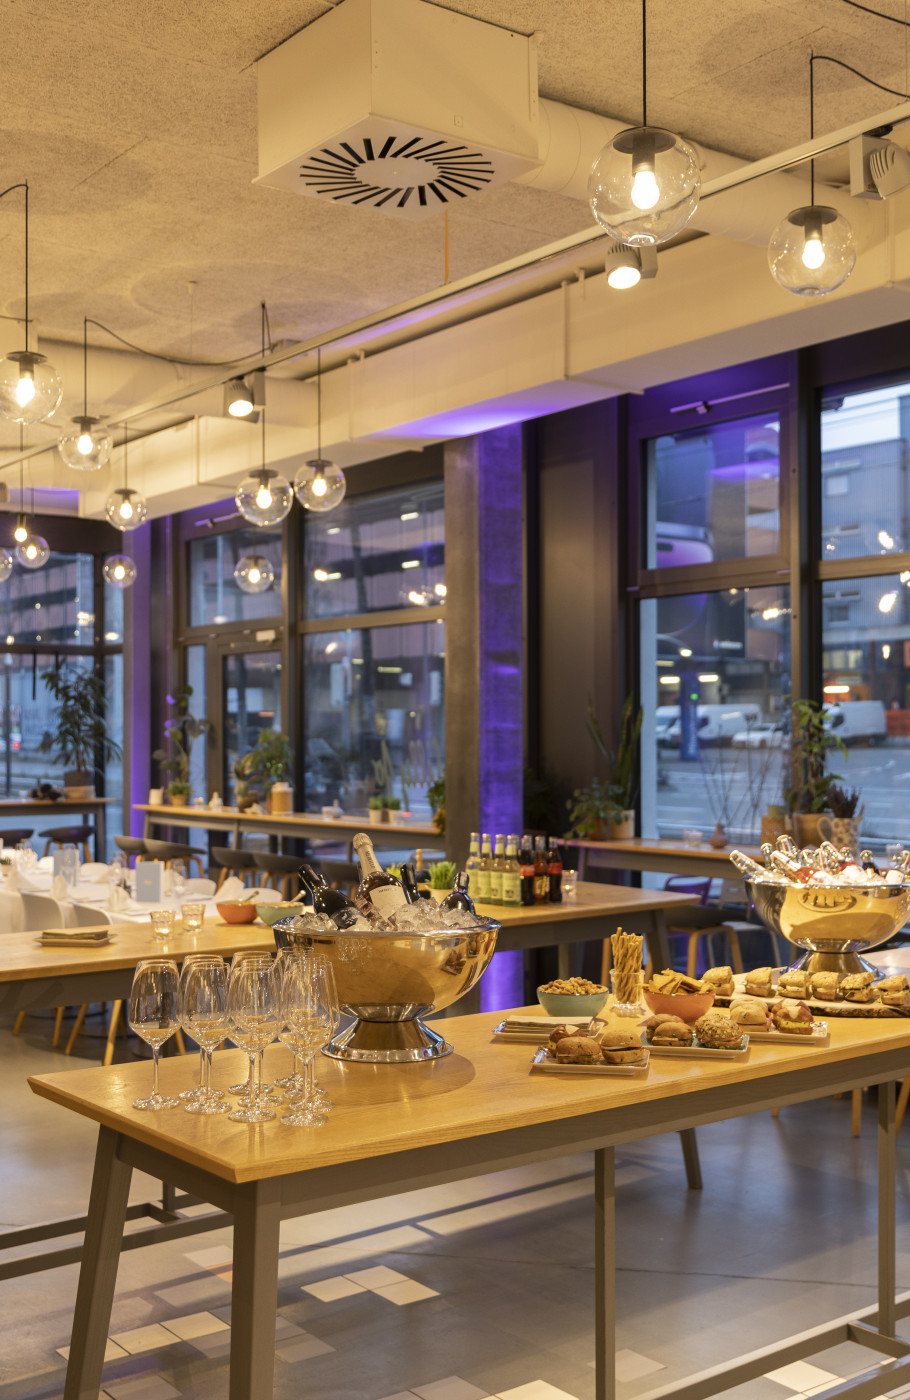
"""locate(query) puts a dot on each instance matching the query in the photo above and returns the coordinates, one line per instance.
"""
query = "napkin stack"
(86, 937)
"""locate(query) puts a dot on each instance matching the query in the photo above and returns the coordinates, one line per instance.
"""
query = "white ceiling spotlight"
(644, 184)
(30, 388)
(626, 267)
(878, 168)
(89, 446)
(319, 483)
(243, 396)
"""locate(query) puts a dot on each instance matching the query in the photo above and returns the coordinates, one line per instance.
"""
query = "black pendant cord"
(644, 62)
(85, 366)
(126, 459)
(319, 402)
(263, 316)
(21, 470)
(812, 127)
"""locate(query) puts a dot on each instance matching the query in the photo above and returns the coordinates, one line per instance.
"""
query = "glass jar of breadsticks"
(626, 976)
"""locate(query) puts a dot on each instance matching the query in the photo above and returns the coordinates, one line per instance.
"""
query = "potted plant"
(592, 811)
(181, 732)
(392, 808)
(436, 796)
(810, 742)
(622, 766)
(375, 808)
(442, 875)
(843, 829)
(81, 739)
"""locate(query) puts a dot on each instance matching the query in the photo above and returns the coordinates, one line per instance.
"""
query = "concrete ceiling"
(135, 126)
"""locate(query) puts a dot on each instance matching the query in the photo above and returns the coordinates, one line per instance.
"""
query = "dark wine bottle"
(342, 911)
(554, 872)
(526, 867)
(378, 887)
(409, 883)
(459, 897)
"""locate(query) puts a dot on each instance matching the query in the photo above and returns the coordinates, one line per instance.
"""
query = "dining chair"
(69, 836)
(699, 920)
(90, 916)
(39, 912)
(12, 916)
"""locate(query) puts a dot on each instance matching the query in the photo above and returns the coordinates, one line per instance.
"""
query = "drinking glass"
(153, 1016)
(193, 915)
(306, 1023)
(568, 884)
(177, 882)
(243, 1089)
(295, 1082)
(163, 921)
(332, 999)
(203, 1015)
(69, 864)
(117, 876)
(253, 1007)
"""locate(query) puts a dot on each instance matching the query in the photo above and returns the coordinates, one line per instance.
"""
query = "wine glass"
(243, 1089)
(178, 879)
(153, 1016)
(203, 1015)
(253, 1005)
(332, 1000)
(294, 1083)
(305, 1024)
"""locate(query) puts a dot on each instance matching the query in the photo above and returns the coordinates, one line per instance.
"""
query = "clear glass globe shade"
(320, 485)
(264, 497)
(87, 447)
(254, 574)
(812, 251)
(30, 388)
(33, 553)
(119, 571)
(6, 565)
(644, 185)
(126, 509)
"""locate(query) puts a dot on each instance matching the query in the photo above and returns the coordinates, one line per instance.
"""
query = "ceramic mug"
(840, 831)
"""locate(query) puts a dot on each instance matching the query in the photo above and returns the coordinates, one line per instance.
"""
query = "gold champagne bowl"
(833, 923)
(389, 981)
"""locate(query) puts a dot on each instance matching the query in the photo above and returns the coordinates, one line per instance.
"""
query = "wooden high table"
(399, 1128)
(665, 857)
(93, 807)
(302, 824)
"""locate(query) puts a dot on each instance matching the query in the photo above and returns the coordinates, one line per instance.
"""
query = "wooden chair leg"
(47, 846)
(856, 1110)
(80, 1017)
(901, 1106)
(19, 1023)
(112, 1031)
(736, 956)
(58, 1026)
(85, 853)
(222, 877)
(692, 958)
(606, 962)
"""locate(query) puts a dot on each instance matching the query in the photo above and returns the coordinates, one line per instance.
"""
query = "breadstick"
(627, 950)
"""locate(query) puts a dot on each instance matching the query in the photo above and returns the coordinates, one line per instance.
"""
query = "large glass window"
(252, 702)
(54, 604)
(713, 493)
(26, 716)
(375, 714)
(214, 595)
(865, 502)
(375, 553)
(715, 676)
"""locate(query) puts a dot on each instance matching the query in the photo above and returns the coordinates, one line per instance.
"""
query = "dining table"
(403, 833)
(398, 1128)
(90, 809)
(663, 855)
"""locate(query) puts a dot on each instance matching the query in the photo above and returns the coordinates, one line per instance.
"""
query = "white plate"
(696, 1051)
(527, 1035)
(545, 1062)
(820, 1036)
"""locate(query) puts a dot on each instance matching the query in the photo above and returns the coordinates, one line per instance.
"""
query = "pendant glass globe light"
(87, 446)
(126, 508)
(254, 574)
(6, 565)
(319, 484)
(30, 388)
(643, 187)
(812, 251)
(119, 571)
(264, 497)
(33, 553)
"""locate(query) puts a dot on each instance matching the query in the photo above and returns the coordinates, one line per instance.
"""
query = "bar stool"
(15, 834)
(69, 836)
(280, 871)
(131, 846)
(174, 850)
(232, 862)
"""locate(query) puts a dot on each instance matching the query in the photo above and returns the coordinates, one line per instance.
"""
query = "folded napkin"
(60, 888)
(94, 934)
(232, 889)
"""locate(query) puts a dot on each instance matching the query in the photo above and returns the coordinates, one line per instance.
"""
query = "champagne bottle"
(473, 861)
(482, 875)
(378, 887)
(496, 868)
(459, 897)
(541, 871)
(554, 872)
(409, 884)
(342, 911)
(526, 870)
(511, 875)
(421, 875)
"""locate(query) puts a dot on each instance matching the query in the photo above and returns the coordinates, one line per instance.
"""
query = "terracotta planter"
(178, 799)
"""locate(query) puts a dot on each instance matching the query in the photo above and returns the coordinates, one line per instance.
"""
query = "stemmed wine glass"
(306, 1022)
(178, 879)
(253, 1007)
(243, 1089)
(203, 1015)
(153, 1016)
(295, 1082)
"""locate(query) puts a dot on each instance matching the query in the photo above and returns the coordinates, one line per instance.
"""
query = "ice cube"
(311, 922)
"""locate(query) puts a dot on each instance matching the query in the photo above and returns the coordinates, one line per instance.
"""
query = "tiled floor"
(482, 1290)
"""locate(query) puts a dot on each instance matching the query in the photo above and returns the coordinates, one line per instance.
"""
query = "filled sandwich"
(858, 987)
(751, 1013)
(758, 982)
(620, 1047)
(578, 1050)
(718, 1033)
(793, 984)
(668, 1030)
(792, 1017)
(721, 979)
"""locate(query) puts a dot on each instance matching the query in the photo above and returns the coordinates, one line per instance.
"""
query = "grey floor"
(480, 1289)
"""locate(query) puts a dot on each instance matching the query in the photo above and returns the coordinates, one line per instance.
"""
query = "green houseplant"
(81, 739)
(811, 741)
(436, 796)
(606, 808)
(181, 731)
(270, 762)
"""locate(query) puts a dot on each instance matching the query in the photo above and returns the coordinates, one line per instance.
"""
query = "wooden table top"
(484, 1087)
(61, 804)
(659, 846)
(178, 815)
(592, 899)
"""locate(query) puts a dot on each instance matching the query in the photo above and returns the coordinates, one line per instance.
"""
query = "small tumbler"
(163, 921)
(192, 917)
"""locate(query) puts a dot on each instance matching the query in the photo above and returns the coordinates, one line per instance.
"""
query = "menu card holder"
(149, 880)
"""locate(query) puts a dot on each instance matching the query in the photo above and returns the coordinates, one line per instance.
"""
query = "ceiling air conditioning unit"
(397, 105)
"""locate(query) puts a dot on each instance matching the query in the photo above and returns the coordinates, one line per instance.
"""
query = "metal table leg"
(887, 1163)
(98, 1274)
(604, 1275)
(254, 1291)
(690, 1158)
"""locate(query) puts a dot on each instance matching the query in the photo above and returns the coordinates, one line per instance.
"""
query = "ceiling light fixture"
(6, 565)
(254, 574)
(264, 497)
(125, 508)
(812, 251)
(30, 387)
(625, 267)
(644, 184)
(319, 484)
(33, 553)
(89, 447)
(243, 396)
(119, 571)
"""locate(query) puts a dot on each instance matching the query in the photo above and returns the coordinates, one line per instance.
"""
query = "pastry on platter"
(718, 1033)
(578, 1050)
(668, 1030)
(721, 979)
(792, 1017)
(620, 1047)
(824, 985)
(793, 984)
(894, 991)
(751, 1013)
(858, 987)
(758, 982)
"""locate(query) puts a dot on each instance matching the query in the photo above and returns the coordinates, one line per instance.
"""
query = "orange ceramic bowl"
(688, 1006)
(237, 912)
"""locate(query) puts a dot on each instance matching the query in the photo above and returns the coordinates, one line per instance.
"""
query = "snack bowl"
(688, 1006)
(269, 913)
(570, 1007)
(237, 911)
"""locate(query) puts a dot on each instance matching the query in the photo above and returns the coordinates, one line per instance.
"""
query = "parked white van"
(858, 722)
(717, 724)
